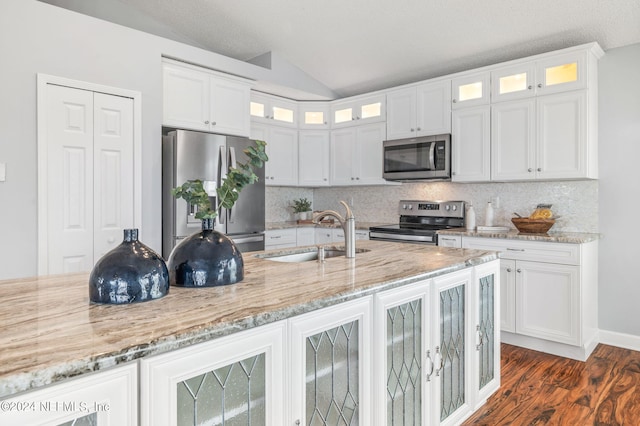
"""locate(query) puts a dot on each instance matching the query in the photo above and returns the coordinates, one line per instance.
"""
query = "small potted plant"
(210, 258)
(302, 208)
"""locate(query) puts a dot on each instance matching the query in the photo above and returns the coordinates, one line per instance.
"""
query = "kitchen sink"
(306, 254)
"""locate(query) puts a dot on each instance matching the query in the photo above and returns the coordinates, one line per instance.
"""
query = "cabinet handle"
(480, 339)
(539, 169)
(440, 363)
(530, 170)
(357, 178)
(206, 122)
(213, 123)
(411, 130)
(512, 249)
(324, 179)
(530, 87)
(430, 365)
(418, 129)
(518, 270)
(454, 101)
(539, 85)
(298, 422)
(508, 269)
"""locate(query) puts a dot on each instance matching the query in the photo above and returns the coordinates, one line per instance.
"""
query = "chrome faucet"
(348, 224)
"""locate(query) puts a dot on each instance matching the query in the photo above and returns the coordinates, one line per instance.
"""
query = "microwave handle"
(432, 159)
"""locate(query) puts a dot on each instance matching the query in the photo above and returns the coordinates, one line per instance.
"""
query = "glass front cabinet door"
(330, 365)
(452, 356)
(233, 380)
(487, 334)
(403, 356)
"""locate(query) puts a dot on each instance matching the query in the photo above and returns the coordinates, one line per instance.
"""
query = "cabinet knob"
(529, 169)
(530, 87)
(418, 129)
(213, 123)
(206, 122)
(518, 270)
(352, 178)
(411, 130)
(297, 422)
(454, 101)
(324, 179)
(539, 85)
(508, 269)
(357, 178)
(539, 169)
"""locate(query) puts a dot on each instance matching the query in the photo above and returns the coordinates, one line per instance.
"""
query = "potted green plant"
(302, 208)
(209, 258)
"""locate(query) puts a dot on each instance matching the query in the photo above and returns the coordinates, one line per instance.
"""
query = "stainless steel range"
(420, 221)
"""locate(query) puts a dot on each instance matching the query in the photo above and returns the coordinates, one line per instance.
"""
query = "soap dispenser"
(471, 218)
(489, 214)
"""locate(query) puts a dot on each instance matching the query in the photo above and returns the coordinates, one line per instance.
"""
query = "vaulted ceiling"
(355, 46)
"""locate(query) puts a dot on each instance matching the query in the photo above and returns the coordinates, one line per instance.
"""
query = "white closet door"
(90, 178)
(70, 179)
(113, 170)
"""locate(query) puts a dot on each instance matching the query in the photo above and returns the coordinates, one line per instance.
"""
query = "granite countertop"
(513, 234)
(50, 331)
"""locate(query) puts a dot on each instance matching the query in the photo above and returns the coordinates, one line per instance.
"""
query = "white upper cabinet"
(273, 110)
(561, 73)
(419, 110)
(557, 73)
(360, 110)
(199, 99)
(313, 115)
(471, 90)
(356, 155)
(471, 144)
(513, 133)
(513, 82)
(282, 149)
(313, 158)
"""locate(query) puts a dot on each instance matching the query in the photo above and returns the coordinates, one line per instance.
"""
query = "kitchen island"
(51, 332)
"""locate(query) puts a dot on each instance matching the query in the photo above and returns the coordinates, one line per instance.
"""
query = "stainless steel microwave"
(422, 158)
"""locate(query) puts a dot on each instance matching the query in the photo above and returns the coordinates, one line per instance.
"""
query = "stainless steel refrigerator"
(188, 155)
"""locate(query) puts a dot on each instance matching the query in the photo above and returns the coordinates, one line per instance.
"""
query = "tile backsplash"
(576, 202)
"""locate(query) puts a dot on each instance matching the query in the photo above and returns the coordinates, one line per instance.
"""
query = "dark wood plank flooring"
(542, 389)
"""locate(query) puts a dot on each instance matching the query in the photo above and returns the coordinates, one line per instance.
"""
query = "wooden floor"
(542, 389)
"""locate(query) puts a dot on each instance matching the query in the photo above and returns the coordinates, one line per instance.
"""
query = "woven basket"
(532, 226)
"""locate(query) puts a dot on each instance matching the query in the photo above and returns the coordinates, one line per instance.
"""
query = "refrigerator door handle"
(222, 173)
(232, 164)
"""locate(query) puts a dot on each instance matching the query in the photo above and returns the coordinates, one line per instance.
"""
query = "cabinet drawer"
(280, 237)
(535, 251)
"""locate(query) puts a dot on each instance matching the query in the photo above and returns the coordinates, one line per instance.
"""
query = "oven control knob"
(454, 207)
(404, 206)
(447, 207)
(410, 206)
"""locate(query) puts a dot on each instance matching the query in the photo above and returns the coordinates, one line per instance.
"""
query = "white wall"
(619, 156)
(36, 38)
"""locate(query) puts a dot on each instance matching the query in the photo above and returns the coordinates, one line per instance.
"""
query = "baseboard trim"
(622, 340)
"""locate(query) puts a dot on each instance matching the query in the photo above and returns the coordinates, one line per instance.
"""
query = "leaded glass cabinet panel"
(331, 351)
(235, 380)
(402, 394)
(487, 328)
(452, 354)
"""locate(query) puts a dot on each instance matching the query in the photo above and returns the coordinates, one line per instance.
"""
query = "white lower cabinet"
(236, 379)
(549, 294)
(331, 365)
(280, 238)
(106, 398)
(437, 353)
(450, 241)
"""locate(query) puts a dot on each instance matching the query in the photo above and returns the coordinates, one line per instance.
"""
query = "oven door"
(427, 157)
